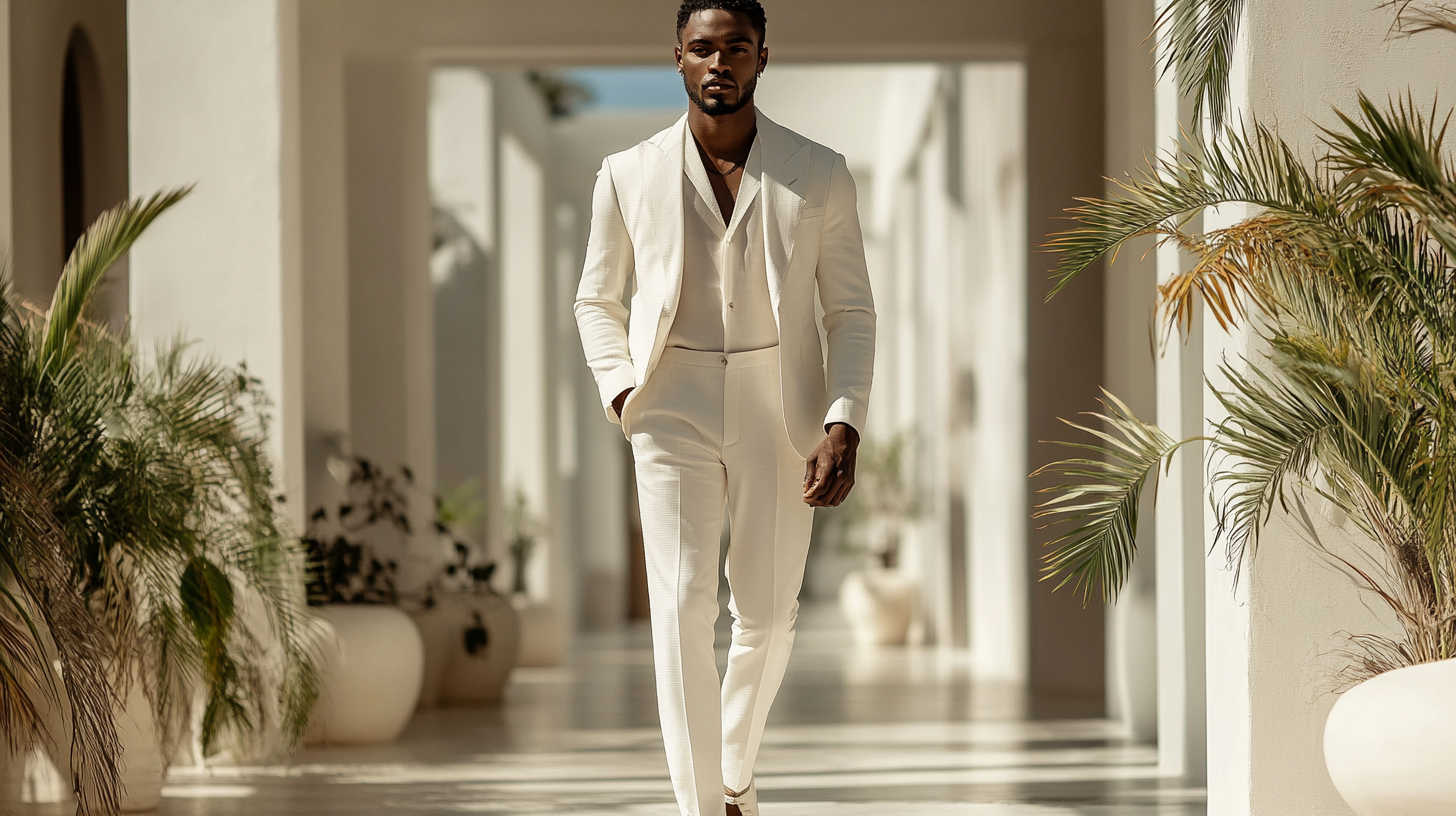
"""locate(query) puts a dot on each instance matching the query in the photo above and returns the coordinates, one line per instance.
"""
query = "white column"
(391, 330)
(1178, 523)
(327, 421)
(1272, 645)
(464, 278)
(993, 111)
(1128, 360)
(214, 101)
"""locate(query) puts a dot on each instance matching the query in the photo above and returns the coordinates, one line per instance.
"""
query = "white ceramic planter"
(372, 666)
(459, 671)
(879, 606)
(1390, 746)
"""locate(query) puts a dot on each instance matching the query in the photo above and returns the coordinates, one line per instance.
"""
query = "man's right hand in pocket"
(620, 401)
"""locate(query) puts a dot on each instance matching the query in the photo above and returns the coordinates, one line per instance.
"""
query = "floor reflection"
(894, 731)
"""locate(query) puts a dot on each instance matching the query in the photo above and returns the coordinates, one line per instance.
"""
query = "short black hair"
(752, 8)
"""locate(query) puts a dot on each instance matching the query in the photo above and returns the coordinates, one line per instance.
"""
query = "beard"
(718, 107)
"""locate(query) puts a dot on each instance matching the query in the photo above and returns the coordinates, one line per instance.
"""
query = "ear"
(762, 58)
(677, 57)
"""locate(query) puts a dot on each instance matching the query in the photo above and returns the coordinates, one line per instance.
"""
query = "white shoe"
(746, 799)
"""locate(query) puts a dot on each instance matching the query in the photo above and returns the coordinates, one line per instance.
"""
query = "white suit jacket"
(812, 241)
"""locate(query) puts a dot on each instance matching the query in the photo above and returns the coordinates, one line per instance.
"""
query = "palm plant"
(1345, 272)
(137, 522)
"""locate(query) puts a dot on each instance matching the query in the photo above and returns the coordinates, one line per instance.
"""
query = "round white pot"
(372, 666)
(1389, 744)
(459, 668)
(879, 606)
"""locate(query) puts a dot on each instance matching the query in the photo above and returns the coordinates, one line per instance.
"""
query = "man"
(728, 225)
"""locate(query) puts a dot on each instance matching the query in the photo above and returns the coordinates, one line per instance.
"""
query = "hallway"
(897, 732)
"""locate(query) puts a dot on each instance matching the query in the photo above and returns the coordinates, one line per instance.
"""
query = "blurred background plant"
(522, 528)
(883, 499)
(342, 567)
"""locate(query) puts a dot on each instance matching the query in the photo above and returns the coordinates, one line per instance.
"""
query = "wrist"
(842, 430)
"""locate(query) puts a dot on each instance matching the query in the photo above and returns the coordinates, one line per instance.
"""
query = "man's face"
(720, 57)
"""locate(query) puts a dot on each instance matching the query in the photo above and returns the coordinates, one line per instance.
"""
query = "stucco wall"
(1273, 645)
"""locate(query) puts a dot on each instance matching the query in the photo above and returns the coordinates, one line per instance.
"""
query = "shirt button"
(723, 359)
(730, 304)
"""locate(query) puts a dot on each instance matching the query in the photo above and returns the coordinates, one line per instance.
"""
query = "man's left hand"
(829, 473)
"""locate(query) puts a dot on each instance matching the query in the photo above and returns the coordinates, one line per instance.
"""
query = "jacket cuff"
(613, 383)
(847, 411)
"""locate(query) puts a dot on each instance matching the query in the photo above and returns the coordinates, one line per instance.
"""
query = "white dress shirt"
(725, 304)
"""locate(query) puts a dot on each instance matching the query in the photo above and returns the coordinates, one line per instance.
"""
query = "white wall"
(1271, 643)
(994, 111)
(213, 96)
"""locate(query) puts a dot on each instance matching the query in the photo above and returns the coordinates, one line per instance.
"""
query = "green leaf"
(207, 600)
(1199, 36)
(102, 245)
(1099, 499)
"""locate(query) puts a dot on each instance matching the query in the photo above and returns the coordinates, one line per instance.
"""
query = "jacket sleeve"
(601, 316)
(849, 306)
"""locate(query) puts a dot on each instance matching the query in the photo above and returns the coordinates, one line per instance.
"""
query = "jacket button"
(723, 359)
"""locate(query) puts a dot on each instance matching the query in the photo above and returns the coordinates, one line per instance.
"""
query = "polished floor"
(902, 732)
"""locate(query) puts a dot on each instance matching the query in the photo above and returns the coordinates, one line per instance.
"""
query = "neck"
(725, 137)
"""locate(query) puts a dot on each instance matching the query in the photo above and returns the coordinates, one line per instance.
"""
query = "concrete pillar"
(1132, 676)
(327, 421)
(391, 334)
(993, 111)
(464, 275)
(214, 101)
(1273, 642)
(1064, 354)
(1177, 526)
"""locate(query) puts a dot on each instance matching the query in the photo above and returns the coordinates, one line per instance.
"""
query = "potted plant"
(1350, 399)
(879, 602)
(472, 634)
(541, 635)
(137, 521)
(372, 654)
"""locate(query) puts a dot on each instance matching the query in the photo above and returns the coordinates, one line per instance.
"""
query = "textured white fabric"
(707, 429)
(812, 243)
(724, 304)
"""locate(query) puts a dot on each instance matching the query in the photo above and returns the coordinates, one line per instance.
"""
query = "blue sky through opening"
(632, 88)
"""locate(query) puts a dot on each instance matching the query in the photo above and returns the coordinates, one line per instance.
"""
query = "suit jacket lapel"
(663, 189)
(785, 178)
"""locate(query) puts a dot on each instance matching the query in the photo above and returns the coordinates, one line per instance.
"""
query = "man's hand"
(620, 401)
(829, 473)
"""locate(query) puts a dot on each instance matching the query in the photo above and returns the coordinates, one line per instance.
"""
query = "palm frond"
(1099, 499)
(1413, 17)
(81, 645)
(101, 246)
(1199, 38)
(1251, 167)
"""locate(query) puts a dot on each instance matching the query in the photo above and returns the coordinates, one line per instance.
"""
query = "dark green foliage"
(137, 508)
(342, 569)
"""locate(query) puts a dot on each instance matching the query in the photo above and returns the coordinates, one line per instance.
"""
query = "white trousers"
(708, 428)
